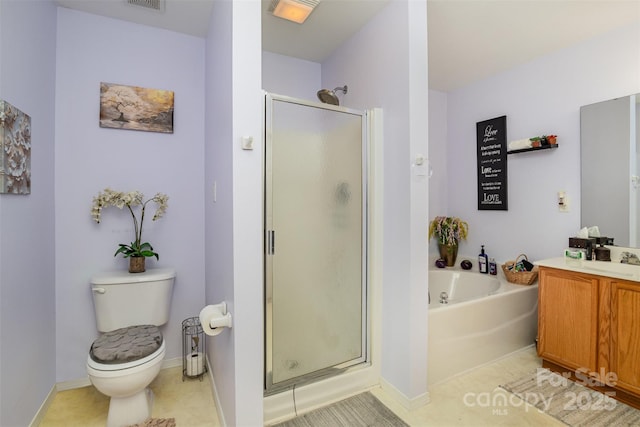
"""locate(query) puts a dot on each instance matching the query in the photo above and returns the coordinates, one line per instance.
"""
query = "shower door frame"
(268, 240)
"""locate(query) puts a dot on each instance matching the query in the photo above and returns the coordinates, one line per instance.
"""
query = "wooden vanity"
(589, 324)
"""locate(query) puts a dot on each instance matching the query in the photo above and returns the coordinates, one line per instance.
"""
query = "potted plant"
(138, 250)
(448, 231)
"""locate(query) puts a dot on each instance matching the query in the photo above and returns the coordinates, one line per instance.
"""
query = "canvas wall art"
(15, 150)
(136, 108)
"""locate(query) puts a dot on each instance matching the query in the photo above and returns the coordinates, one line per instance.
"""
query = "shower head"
(329, 96)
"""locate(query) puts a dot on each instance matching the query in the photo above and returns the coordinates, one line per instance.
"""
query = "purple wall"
(219, 213)
(27, 287)
(541, 97)
(90, 50)
(234, 224)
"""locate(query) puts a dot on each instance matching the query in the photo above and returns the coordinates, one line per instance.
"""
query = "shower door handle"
(271, 242)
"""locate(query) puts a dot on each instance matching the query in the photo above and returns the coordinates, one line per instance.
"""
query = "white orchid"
(109, 197)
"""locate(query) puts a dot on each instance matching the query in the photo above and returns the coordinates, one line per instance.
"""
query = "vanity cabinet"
(624, 351)
(589, 328)
(568, 318)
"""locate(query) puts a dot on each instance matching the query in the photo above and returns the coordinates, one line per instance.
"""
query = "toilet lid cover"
(126, 344)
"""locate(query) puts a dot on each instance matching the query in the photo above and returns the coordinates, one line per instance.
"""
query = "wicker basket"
(519, 277)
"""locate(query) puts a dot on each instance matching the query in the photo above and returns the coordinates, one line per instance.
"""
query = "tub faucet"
(444, 298)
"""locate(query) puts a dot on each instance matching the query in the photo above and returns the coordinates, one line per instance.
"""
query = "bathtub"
(486, 318)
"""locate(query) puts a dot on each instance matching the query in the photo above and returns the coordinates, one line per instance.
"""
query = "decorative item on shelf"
(137, 251)
(448, 231)
(520, 271)
(533, 144)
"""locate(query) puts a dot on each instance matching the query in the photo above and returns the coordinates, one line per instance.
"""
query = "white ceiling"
(468, 39)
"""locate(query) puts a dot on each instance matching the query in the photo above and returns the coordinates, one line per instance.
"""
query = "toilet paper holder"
(214, 318)
(193, 349)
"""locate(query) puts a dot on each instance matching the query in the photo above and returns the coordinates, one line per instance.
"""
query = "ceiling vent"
(157, 5)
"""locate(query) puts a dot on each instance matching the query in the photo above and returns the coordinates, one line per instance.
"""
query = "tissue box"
(604, 240)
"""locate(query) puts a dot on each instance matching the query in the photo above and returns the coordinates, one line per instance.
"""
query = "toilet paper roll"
(213, 321)
(195, 364)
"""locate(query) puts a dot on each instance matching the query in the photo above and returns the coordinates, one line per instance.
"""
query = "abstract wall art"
(15, 150)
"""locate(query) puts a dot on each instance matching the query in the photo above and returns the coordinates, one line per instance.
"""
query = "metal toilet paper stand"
(193, 349)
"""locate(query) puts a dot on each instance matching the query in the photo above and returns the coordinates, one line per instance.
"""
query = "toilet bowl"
(127, 386)
(127, 357)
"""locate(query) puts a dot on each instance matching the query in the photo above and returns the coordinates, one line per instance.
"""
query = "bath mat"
(570, 402)
(361, 410)
(157, 422)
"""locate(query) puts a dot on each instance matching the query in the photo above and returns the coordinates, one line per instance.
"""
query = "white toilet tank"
(124, 299)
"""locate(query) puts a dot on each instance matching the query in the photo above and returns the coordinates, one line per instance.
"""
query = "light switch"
(563, 202)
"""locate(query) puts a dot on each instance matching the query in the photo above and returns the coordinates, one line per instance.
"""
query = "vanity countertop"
(600, 268)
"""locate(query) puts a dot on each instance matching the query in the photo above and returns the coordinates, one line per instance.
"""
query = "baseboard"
(39, 416)
(73, 384)
(216, 399)
(171, 363)
(401, 398)
(85, 382)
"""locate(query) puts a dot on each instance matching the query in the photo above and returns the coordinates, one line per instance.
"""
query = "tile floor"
(462, 401)
(189, 402)
(466, 400)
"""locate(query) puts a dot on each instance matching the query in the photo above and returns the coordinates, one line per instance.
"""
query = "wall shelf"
(544, 147)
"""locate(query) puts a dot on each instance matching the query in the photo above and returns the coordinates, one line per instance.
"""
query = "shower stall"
(316, 298)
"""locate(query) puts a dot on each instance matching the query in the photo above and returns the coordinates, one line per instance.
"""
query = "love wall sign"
(492, 164)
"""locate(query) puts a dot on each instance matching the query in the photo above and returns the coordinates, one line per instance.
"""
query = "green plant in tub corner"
(109, 197)
(448, 230)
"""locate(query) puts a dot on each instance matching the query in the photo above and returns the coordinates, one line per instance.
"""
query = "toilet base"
(125, 411)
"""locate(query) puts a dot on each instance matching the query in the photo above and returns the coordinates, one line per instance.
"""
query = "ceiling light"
(293, 10)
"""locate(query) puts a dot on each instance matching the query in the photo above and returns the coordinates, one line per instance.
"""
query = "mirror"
(609, 139)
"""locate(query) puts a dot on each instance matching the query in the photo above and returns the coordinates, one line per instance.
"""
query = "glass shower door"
(315, 228)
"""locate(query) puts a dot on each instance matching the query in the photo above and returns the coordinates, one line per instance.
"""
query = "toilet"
(128, 355)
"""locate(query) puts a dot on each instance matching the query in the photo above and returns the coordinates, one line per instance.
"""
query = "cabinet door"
(625, 334)
(568, 318)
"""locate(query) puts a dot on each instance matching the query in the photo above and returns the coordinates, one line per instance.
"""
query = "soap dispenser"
(493, 267)
(483, 261)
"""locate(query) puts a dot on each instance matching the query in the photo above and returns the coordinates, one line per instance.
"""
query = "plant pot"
(136, 264)
(449, 253)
